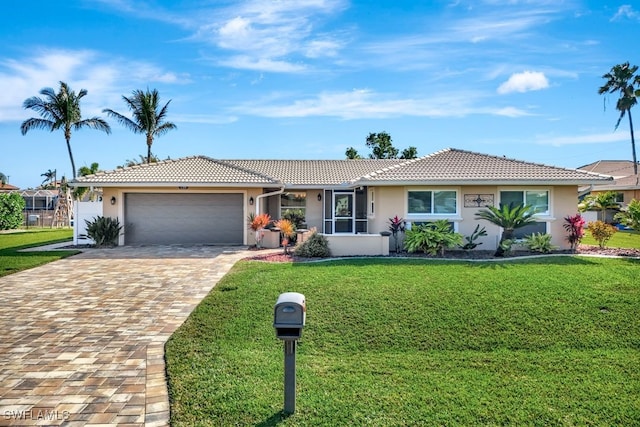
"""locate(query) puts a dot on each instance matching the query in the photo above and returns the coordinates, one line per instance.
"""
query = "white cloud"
(626, 11)
(598, 138)
(524, 82)
(262, 64)
(367, 104)
(103, 78)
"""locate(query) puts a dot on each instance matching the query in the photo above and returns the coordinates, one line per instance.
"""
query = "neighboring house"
(39, 199)
(625, 183)
(200, 200)
(7, 188)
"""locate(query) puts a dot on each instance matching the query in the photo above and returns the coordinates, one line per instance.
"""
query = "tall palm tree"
(80, 192)
(148, 117)
(3, 179)
(621, 79)
(510, 217)
(60, 111)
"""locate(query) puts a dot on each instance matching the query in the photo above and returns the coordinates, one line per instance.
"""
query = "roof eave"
(476, 182)
(175, 184)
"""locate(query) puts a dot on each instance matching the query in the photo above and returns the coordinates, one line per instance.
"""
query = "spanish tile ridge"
(396, 166)
(136, 166)
(524, 162)
(229, 163)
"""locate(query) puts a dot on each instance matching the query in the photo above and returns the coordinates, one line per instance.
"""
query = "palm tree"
(510, 217)
(603, 201)
(621, 79)
(147, 117)
(79, 192)
(49, 176)
(3, 179)
(60, 111)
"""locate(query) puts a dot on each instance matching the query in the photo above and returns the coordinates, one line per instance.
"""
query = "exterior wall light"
(113, 200)
(319, 197)
(251, 201)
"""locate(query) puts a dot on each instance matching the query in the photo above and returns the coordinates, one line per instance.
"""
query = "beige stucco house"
(200, 200)
(625, 184)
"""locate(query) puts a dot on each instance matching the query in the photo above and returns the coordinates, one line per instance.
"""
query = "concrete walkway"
(82, 339)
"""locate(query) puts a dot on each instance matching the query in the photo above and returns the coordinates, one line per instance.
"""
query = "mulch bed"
(280, 256)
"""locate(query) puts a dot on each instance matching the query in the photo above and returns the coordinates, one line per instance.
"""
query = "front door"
(343, 215)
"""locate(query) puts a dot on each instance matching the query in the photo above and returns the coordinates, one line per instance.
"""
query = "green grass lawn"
(548, 341)
(621, 239)
(12, 261)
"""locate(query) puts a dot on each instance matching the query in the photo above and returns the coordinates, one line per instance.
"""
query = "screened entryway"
(345, 211)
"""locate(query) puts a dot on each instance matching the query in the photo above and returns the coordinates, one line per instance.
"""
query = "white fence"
(84, 211)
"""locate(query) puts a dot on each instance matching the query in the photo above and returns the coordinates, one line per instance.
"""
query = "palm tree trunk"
(633, 145)
(73, 164)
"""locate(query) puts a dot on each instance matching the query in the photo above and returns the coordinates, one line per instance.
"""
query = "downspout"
(263, 195)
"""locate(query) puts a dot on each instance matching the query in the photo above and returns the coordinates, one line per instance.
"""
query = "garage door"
(187, 219)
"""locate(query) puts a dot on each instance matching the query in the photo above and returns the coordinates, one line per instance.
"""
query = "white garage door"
(187, 219)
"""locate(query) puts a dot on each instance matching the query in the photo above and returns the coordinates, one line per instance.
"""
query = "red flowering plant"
(257, 224)
(574, 224)
(396, 226)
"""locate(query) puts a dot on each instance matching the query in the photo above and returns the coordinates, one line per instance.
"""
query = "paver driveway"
(82, 339)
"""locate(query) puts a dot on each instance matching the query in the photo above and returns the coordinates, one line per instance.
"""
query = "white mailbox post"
(289, 317)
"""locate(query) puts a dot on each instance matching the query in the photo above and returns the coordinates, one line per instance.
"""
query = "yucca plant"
(288, 231)
(257, 223)
(509, 217)
(104, 230)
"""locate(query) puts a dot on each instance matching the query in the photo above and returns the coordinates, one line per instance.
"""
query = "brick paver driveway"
(82, 339)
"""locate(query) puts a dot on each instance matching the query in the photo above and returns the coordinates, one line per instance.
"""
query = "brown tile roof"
(615, 168)
(450, 166)
(188, 170)
(453, 166)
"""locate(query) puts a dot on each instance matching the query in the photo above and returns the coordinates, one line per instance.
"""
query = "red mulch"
(280, 256)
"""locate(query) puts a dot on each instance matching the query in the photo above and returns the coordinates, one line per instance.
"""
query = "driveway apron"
(82, 339)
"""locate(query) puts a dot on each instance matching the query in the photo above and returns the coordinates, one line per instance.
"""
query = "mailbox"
(289, 316)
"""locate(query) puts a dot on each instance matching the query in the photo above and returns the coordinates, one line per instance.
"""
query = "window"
(431, 202)
(291, 201)
(619, 197)
(538, 199)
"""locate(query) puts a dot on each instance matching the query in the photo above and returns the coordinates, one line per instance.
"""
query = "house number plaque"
(478, 200)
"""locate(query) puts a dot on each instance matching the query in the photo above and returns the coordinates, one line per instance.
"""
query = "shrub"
(601, 232)
(296, 216)
(396, 226)
(316, 246)
(257, 224)
(471, 240)
(431, 238)
(104, 230)
(539, 242)
(288, 231)
(574, 224)
(11, 207)
(630, 216)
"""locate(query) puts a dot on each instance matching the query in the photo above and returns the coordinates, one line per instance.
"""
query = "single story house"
(201, 200)
(625, 184)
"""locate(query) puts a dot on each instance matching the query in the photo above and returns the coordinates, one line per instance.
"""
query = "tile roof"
(453, 166)
(615, 168)
(449, 166)
(188, 170)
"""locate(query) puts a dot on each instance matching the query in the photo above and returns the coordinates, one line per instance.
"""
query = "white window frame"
(452, 216)
(542, 215)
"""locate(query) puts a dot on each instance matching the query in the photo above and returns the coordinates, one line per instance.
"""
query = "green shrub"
(431, 238)
(296, 216)
(630, 216)
(104, 230)
(601, 232)
(11, 207)
(316, 246)
(539, 242)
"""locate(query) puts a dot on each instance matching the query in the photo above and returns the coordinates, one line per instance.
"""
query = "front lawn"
(388, 342)
(12, 261)
(621, 239)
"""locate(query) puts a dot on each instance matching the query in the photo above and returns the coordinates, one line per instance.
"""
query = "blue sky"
(309, 78)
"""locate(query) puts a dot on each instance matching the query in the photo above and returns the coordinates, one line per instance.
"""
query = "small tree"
(396, 226)
(574, 224)
(288, 231)
(509, 217)
(602, 202)
(11, 207)
(601, 232)
(630, 216)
